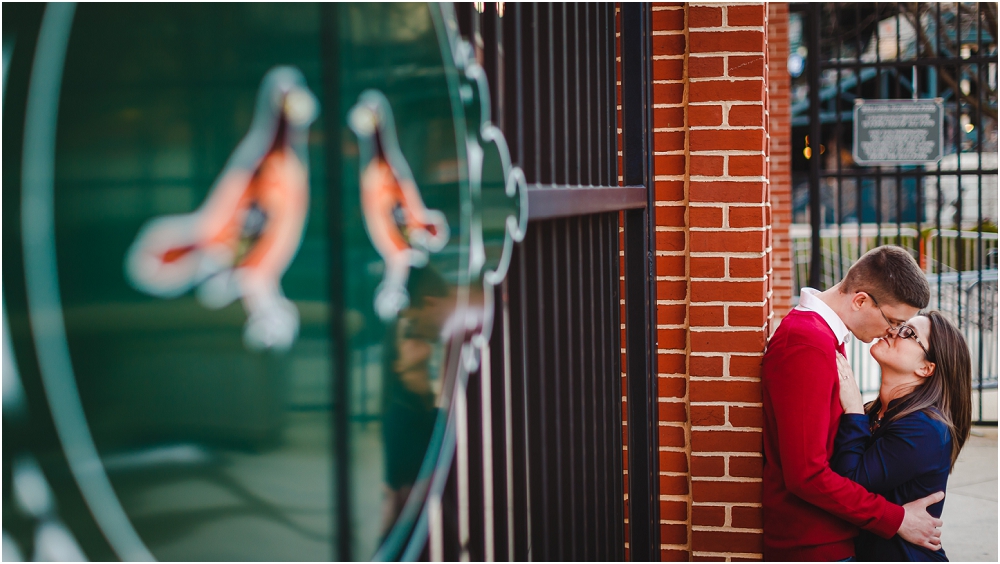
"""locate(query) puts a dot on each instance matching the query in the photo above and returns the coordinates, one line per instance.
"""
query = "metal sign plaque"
(894, 132)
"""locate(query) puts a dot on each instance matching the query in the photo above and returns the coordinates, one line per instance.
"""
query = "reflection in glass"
(216, 452)
(412, 376)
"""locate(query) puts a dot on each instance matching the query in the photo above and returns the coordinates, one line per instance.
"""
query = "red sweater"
(810, 512)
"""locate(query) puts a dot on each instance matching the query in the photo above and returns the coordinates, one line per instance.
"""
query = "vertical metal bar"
(590, 84)
(959, 247)
(611, 390)
(508, 399)
(501, 65)
(522, 535)
(557, 479)
(602, 79)
(461, 468)
(476, 501)
(838, 135)
(463, 16)
(517, 14)
(937, 207)
(551, 85)
(897, 92)
(443, 532)
(487, 526)
(572, 384)
(601, 445)
(918, 181)
(899, 177)
(616, 546)
(899, 206)
(340, 375)
(577, 177)
(644, 522)
(915, 90)
(815, 13)
(545, 501)
(860, 181)
(435, 525)
(497, 506)
(611, 87)
(499, 536)
(588, 409)
(899, 169)
(537, 100)
(980, 82)
(490, 31)
(879, 94)
(560, 246)
(564, 152)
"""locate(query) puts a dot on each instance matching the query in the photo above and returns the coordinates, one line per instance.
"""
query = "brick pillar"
(729, 272)
(713, 251)
(780, 112)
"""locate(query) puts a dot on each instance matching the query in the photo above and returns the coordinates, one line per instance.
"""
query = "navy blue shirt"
(903, 461)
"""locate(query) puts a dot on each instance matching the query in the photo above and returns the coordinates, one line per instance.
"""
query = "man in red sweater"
(811, 512)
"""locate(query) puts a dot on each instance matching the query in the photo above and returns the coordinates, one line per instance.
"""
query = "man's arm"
(801, 388)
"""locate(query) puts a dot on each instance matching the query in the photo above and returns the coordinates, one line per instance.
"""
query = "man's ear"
(858, 300)
(926, 369)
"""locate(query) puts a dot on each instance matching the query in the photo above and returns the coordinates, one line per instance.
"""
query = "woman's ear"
(926, 369)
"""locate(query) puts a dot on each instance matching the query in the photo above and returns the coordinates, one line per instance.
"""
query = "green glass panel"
(406, 243)
(213, 426)
(214, 450)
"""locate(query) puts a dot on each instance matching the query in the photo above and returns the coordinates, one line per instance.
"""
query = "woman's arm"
(850, 394)
(849, 444)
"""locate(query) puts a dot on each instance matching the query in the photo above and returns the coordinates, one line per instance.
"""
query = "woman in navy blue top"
(904, 444)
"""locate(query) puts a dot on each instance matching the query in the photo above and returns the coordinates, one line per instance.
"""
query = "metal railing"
(943, 208)
(538, 472)
(968, 296)
(937, 251)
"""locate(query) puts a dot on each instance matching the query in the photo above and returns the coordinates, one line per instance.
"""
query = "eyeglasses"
(891, 326)
(907, 332)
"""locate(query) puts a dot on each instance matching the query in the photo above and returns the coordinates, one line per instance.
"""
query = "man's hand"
(919, 527)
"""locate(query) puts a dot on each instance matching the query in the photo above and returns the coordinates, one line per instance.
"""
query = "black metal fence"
(538, 472)
(944, 212)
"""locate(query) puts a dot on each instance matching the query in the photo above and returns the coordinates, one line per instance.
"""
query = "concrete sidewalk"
(969, 533)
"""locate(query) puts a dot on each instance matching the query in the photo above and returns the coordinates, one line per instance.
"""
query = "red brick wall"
(779, 90)
(711, 119)
(670, 138)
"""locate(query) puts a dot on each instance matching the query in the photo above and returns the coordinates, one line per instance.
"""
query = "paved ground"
(970, 508)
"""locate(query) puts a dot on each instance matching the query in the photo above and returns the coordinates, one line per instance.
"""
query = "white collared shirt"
(809, 301)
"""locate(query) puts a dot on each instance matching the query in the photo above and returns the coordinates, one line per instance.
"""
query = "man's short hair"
(891, 275)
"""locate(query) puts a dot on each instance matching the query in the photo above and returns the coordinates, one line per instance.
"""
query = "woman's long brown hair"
(946, 395)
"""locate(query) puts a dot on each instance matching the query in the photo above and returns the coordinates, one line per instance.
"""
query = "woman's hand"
(850, 395)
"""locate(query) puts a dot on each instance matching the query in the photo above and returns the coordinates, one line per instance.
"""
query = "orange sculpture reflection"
(239, 243)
